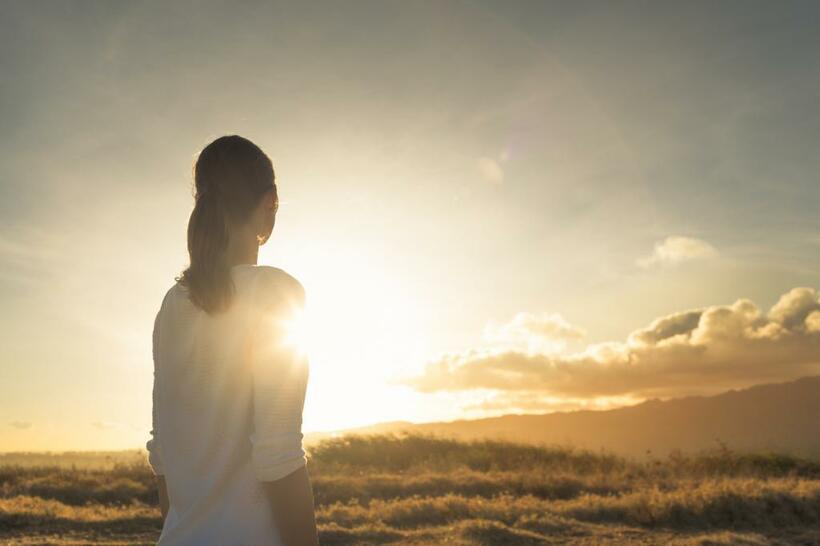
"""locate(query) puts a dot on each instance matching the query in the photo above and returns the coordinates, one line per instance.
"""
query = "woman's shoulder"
(176, 292)
(273, 285)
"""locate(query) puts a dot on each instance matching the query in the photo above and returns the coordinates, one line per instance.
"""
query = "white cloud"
(813, 322)
(677, 249)
(21, 424)
(545, 332)
(703, 350)
(498, 402)
(107, 425)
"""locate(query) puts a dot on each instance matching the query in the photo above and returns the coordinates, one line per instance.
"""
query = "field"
(423, 490)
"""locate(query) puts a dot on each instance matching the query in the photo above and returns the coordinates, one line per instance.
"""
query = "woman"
(226, 444)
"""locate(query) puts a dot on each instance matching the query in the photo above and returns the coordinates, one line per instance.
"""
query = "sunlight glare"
(362, 325)
(297, 332)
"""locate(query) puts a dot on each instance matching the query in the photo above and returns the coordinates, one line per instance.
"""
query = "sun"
(297, 332)
(362, 326)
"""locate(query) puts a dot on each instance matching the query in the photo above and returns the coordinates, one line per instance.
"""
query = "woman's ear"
(266, 216)
(269, 203)
(270, 200)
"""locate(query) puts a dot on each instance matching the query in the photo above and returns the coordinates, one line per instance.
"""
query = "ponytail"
(208, 277)
(230, 176)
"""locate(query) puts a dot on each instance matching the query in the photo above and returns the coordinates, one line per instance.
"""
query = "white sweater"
(227, 409)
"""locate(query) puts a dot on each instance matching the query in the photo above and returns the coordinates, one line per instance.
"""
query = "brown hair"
(231, 174)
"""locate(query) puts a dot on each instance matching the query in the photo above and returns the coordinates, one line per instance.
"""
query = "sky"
(494, 207)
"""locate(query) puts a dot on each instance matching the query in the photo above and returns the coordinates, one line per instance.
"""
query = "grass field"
(422, 490)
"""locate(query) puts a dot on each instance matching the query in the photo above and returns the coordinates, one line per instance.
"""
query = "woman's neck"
(242, 250)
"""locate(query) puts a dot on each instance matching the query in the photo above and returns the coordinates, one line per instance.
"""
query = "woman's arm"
(291, 500)
(163, 496)
(280, 372)
(154, 456)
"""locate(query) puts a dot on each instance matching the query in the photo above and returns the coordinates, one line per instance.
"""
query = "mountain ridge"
(782, 417)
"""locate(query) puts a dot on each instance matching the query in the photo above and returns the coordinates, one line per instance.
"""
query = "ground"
(425, 491)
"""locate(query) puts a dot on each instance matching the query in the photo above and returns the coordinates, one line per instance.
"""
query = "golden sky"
(493, 207)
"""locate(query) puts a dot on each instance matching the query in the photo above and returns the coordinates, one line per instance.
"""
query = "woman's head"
(235, 207)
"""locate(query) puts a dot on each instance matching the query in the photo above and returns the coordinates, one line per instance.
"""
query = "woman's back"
(228, 397)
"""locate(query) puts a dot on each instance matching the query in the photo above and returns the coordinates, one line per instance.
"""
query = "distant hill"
(782, 417)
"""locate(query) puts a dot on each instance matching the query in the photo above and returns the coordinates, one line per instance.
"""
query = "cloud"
(21, 424)
(545, 332)
(106, 425)
(490, 169)
(675, 249)
(529, 401)
(703, 350)
(813, 322)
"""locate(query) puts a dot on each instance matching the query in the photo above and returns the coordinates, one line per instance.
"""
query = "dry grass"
(422, 490)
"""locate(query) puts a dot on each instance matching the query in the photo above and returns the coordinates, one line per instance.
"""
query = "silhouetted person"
(229, 388)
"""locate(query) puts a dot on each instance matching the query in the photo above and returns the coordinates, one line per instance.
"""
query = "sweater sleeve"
(279, 371)
(153, 444)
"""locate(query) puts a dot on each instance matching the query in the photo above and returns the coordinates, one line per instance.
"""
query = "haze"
(494, 208)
